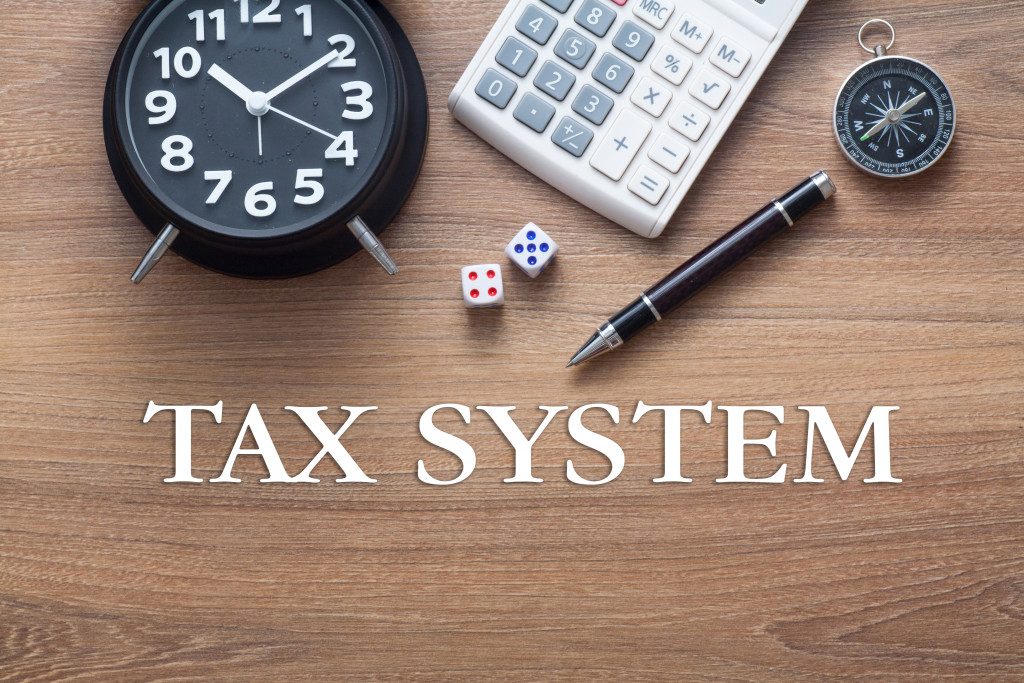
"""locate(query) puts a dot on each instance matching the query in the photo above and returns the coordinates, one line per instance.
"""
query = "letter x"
(331, 444)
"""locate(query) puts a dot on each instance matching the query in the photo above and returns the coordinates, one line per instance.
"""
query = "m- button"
(730, 57)
(654, 12)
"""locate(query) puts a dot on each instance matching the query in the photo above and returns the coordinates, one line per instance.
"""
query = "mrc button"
(654, 12)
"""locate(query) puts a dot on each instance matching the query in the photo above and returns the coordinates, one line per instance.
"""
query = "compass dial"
(894, 117)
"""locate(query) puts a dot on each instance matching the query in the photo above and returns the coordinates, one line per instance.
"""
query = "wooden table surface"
(898, 293)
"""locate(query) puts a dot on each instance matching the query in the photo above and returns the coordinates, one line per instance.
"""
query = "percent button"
(672, 65)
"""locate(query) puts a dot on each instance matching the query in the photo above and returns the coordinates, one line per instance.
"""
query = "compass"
(894, 116)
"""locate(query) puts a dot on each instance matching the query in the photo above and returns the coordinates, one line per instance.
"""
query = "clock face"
(894, 117)
(257, 118)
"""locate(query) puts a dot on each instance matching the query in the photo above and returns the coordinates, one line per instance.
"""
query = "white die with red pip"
(532, 250)
(482, 286)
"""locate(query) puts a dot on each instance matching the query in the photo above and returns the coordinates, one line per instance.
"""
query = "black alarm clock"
(262, 138)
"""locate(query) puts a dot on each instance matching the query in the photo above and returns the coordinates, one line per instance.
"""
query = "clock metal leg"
(372, 244)
(156, 252)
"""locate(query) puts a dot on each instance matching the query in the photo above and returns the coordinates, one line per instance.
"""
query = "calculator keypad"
(655, 13)
(613, 73)
(596, 17)
(584, 54)
(575, 49)
(593, 105)
(516, 56)
(633, 41)
(537, 25)
(534, 112)
(572, 136)
(554, 80)
(652, 96)
(496, 89)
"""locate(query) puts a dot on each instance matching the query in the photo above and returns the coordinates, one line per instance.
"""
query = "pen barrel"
(693, 276)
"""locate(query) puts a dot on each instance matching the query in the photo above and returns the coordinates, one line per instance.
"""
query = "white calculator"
(619, 103)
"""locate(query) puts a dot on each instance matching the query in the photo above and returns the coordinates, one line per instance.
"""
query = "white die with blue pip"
(532, 250)
(482, 286)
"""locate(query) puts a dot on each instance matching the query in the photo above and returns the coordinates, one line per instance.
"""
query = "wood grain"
(905, 293)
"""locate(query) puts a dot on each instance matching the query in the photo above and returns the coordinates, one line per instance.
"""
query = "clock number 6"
(259, 202)
(361, 101)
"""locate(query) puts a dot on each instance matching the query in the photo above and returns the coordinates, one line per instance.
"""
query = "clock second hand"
(303, 123)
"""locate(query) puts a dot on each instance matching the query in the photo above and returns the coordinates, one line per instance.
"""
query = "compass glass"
(894, 117)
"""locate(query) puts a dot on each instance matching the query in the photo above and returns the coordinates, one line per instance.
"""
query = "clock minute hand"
(230, 82)
(305, 73)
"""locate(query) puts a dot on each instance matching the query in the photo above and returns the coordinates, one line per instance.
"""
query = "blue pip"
(532, 250)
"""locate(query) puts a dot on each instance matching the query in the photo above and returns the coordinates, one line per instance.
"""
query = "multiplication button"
(652, 96)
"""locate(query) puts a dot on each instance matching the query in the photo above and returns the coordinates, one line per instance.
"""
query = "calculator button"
(575, 49)
(515, 56)
(710, 88)
(558, 5)
(537, 25)
(496, 89)
(669, 152)
(613, 73)
(652, 97)
(596, 17)
(593, 105)
(730, 57)
(689, 121)
(693, 34)
(554, 80)
(672, 65)
(534, 112)
(620, 146)
(572, 136)
(654, 12)
(649, 185)
(634, 41)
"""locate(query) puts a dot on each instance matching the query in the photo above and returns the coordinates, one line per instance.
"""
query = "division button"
(689, 121)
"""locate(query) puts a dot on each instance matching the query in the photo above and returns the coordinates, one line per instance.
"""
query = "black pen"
(690, 278)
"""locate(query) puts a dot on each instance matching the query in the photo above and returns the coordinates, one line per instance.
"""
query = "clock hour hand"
(304, 74)
(230, 82)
